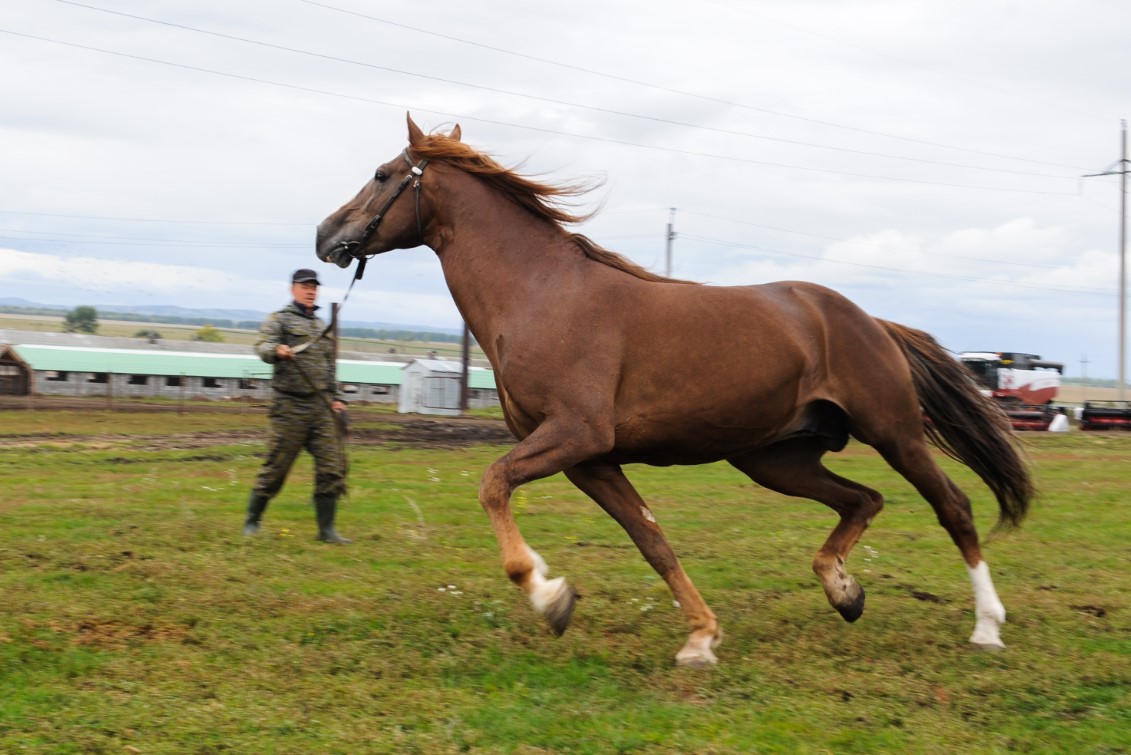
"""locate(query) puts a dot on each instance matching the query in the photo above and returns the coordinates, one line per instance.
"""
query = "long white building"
(79, 370)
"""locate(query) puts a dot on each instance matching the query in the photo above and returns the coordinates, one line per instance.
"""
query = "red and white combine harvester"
(1024, 384)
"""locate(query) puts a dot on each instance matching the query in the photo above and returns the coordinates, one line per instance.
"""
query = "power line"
(588, 137)
(77, 238)
(551, 100)
(970, 278)
(681, 92)
(883, 246)
(126, 241)
(904, 61)
(149, 220)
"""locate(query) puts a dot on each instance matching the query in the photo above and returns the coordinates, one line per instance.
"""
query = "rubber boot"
(325, 507)
(255, 506)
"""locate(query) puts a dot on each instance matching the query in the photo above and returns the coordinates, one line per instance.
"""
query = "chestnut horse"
(600, 363)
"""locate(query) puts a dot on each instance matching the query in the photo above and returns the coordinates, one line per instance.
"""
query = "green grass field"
(134, 617)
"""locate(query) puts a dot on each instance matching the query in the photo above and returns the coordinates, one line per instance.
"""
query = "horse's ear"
(415, 135)
(456, 133)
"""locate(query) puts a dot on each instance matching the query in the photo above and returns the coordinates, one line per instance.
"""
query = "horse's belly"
(691, 440)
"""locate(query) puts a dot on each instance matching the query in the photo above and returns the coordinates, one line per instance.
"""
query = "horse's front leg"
(607, 485)
(546, 451)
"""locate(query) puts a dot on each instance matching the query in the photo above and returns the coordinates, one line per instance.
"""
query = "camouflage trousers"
(298, 423)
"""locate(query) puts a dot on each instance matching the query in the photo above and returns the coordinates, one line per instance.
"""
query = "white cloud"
(108, 275)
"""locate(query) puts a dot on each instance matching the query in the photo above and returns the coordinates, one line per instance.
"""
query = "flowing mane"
(543, 199)
(598, 253)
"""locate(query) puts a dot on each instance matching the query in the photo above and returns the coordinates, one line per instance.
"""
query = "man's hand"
(338, 405)
(282, 351)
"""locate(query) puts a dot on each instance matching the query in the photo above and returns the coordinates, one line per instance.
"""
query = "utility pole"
(670, 239)
(465, 370)
(1084, 376)
(1120, 168)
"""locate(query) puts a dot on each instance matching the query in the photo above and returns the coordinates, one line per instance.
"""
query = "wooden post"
(465, 370)
(334, 308)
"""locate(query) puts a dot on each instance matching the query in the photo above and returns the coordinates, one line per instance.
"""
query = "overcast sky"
(922, 157)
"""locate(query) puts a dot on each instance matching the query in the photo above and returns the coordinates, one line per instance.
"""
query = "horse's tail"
(964, 424)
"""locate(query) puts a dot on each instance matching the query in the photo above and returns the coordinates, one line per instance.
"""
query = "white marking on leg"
(544, 592)
(644, 512)
(539, 563)
(988, 610)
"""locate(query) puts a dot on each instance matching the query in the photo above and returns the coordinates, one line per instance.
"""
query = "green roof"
(377, 373)
(140, 362)
(479, 377)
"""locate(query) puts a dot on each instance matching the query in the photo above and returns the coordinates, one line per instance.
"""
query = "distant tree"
(81, 320)
(209, 334)
(150, 335)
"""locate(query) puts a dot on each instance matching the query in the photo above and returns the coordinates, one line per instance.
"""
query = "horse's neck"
(499, 259)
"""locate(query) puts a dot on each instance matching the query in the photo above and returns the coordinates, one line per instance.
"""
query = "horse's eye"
(380, 176)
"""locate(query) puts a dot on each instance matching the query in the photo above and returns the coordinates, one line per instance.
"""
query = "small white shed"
(430, 386)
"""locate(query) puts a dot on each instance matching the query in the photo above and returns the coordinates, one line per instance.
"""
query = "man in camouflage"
(305, 409)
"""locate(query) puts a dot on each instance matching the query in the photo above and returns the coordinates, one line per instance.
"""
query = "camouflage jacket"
(293, 327)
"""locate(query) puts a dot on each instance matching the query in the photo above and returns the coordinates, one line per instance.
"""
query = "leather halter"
(353, 248)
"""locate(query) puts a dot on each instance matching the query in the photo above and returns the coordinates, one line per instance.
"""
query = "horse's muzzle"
(341, 254)
(344, 253)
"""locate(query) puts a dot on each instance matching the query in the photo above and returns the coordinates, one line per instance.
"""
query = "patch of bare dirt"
(117, 634)
(435, 433)
(392, 429)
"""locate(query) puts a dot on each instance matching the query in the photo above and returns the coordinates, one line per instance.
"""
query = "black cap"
(304, 275)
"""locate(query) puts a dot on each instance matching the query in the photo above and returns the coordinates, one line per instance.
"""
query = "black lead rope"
(339, 421)
(350, 246)
(357, 275)
(353, 247)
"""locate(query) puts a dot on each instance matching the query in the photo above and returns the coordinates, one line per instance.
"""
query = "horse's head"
(379, 219)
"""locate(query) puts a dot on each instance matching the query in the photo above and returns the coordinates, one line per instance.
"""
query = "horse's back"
(715, 369)
(768, 331)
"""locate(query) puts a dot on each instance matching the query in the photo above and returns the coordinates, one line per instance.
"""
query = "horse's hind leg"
(607, 485)
(952, 507)
(793, 467)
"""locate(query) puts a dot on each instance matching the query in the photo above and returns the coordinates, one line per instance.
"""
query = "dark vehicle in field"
(1106, 415)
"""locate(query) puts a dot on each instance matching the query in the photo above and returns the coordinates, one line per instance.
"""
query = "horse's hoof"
(697, 652)
(558, 607)
(987, 633)
(853, 608)
(987, 639)
(697, 658)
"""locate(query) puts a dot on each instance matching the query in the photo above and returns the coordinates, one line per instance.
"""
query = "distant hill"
(12, 301)
(232, 318)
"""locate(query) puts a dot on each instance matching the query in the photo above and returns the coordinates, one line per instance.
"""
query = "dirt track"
(367, 430)
(450, 432)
